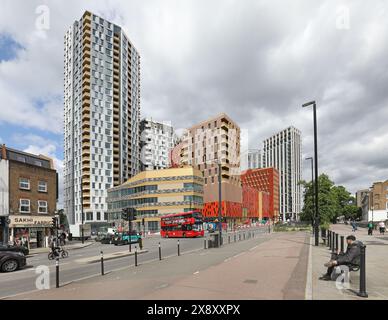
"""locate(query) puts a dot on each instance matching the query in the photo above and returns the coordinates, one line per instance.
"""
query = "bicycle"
(58, 252)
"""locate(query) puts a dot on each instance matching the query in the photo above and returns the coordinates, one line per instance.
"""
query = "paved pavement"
(264, 267)
(376, 268)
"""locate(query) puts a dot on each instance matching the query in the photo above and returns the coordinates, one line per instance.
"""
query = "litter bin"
(70, 236)
(213, 239)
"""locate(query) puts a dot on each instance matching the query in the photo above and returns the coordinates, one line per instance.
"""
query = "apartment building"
(101, 115)
(213, 147)
(283, 151)
(251, 159)
(156, 141)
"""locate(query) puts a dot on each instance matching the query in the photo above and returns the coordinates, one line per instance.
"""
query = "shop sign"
(30, 221)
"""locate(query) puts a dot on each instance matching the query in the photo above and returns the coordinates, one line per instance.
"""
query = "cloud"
(258, 61)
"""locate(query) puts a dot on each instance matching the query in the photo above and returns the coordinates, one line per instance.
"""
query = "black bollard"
(336, 243)
(160, 252)
(228, 239)
(179, 253)
(333, 242)
(342, 244)
(234, 237)
(362, 291)
(204, 243)
(244, 235)
(130, 246)
(57, 272)
(102, 263)
(328, 238)
(135, 256)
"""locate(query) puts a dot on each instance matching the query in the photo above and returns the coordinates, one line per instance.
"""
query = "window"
(24, 183)
(98, 216)
(42, 186)
(24, 206)
(42, 206)
(89, 216)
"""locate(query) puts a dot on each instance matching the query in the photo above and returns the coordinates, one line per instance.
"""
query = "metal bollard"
(102, 263)
(228, 238)
(204, 243)
(329, 238)
(362, 291)
(269, 228)
(234, 237)
(135, 256)
(342, 244)
(160, 252)
(130, 247)
(333, 242)
(239, 236)
(244, 235)
(336, 243)
(57, 272)
(179, 253)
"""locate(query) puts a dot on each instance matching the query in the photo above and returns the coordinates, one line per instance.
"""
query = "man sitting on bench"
(350, 258)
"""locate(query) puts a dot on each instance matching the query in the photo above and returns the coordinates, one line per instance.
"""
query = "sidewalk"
(376, 266)
(268, 267)
(67, 247)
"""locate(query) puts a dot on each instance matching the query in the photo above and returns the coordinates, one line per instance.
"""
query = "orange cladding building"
(265, 180)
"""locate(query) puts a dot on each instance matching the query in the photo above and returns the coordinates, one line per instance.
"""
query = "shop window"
(25, 206)
(24, 184)
(42, 206)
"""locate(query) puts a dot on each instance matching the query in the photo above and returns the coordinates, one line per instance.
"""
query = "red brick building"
(265, 180)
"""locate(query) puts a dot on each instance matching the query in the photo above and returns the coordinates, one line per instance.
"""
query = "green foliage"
(333, 201)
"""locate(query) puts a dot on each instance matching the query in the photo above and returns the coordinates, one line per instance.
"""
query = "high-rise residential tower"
(283, 151)
(251, 159)
(101, 115)
(156, 141)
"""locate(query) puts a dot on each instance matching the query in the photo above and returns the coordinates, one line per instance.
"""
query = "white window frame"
(45, 186)
(24, 188)
(40, 202)
(20, 206)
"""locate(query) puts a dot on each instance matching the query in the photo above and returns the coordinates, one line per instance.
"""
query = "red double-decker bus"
(182, 225)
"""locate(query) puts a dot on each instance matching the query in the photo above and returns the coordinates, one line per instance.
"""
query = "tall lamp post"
(316, 227)
(312, 185)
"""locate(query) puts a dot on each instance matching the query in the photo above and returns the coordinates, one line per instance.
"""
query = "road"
(71, 269)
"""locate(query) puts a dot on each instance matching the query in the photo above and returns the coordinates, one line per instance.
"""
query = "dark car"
(11, 261)
(22, 249)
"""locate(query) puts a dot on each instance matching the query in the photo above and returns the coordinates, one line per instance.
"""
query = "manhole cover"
(252, 281)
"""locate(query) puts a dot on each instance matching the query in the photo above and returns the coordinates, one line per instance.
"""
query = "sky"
(258, 61)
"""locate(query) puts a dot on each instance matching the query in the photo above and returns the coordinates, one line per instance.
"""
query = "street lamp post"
(316, 227)
(312, 185)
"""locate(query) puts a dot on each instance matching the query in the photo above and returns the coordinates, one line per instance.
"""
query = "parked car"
(11, 261)
(8, 247)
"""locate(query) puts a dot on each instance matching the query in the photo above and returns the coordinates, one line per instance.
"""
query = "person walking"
(354, 226)
(382, 227)
(370, 228)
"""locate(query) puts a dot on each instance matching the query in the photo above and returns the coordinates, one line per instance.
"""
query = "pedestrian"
(370, 228)
(63, 238)
(382, 227)
(354, 226)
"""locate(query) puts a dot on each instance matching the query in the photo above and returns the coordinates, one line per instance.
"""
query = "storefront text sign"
(30, 221)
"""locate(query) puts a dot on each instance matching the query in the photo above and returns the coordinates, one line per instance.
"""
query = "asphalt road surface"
(24, 280)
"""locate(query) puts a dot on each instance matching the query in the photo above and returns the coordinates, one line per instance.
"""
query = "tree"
(333, 201)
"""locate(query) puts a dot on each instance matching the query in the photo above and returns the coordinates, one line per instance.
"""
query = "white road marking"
(196, 272)
(251, 249)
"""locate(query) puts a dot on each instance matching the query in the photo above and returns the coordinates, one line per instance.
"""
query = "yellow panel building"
(156, 193)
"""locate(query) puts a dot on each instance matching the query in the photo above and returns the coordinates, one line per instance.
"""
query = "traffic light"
(124, 214)
(54, 222)
(129, 214)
